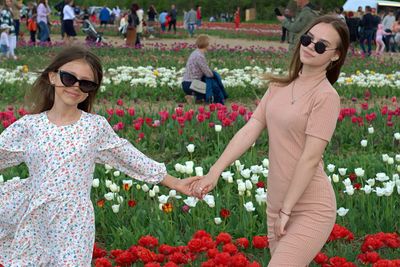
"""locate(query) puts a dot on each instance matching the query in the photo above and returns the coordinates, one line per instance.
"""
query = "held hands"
(184, 185)
(201, 187)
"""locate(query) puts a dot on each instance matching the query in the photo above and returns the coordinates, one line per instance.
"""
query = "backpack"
(133, 20)
(32, 25)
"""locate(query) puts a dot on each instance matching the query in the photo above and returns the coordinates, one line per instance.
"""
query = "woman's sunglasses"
(319, 46)
(69, 80)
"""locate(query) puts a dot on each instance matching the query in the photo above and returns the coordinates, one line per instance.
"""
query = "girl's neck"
(64, 113)
(310, 70)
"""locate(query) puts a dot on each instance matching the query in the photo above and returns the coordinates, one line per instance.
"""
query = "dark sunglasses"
(69, 80)
(319, 46)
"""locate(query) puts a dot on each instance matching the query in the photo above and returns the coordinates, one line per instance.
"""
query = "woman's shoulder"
(326, 90)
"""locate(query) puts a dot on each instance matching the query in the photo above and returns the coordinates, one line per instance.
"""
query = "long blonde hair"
(41, 96)
(333, 70)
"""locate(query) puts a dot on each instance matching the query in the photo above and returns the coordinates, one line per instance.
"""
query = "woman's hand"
(280, 224)
(280, 18)
(204, 185)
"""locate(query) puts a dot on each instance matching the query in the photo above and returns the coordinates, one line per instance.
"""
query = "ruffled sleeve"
(13, 142)
(122, 155)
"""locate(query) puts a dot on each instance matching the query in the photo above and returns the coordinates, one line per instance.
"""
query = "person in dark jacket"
(173, 13)
(353, 23)
(367, 25)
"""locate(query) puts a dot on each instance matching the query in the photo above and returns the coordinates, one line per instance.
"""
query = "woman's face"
(9, 3)
(327, 34)
(71, 96)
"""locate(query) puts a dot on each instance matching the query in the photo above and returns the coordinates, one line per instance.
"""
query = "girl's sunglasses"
(69, 80)
(319, 46)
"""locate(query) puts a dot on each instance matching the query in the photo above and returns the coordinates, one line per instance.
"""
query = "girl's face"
(72, 95)
(8, 3)
(326, 34)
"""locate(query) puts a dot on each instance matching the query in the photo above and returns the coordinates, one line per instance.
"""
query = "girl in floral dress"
(48, 218)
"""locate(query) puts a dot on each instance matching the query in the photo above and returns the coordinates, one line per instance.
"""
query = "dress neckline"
(45, 114)
(311, 77)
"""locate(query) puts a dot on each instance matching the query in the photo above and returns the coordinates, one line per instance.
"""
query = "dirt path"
(230, 42)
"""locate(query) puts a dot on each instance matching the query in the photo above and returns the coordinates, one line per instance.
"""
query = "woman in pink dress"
(48, 218)
(236, 18)
(300, 112)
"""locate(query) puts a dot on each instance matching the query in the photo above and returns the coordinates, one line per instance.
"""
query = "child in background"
(4, 43)
(380, 45)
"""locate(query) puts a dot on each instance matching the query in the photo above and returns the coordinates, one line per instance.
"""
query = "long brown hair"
(41, 96)
(333, 70)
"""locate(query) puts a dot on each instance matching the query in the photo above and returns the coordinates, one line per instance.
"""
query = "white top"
(139, 13)
(47, 219)
(388, 22)
(69, 13)
(4, 39)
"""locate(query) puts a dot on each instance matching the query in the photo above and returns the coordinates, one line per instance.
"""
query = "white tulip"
(249, 206)
(189, 164)
(115, 208)
(256, 169)
(371, 182)
(367, 189)
(349, 190)
(120, 199)
(163, 199)
(335, 178)
(1, 179)
(342, 211)
(397, 136)
(385, 157)
(364, 143)
(371, 130)
(152, 193)
(241, 187)
(249, 185)
(95, 182)
(237, 163)
(114, 188)
(398, 189)
(217, 128)
(379, 191)
(172, 193)
(109, 196)
(230, 179)
(117, 173)
(390, 161)
(108, 183)
(329, 179)
(396, 177)
(254, 178)
(265, 163)
(156, 189)
(199, 171)
(381, 177)
(179, 167)
(359, 172)
(261, 198)
(398, 168)
(342, 171)
(191, 201)
(127, 182)
(145, 188)
(217, 220)
(108, 168)
(189, 170)
(265, 173)
(246, 173)
(331, 167)
(209, 199)
(226, 175)
(347, 182)
(190, 148)
(397, 157)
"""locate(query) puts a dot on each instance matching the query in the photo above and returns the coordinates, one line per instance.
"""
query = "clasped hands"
(197, 186)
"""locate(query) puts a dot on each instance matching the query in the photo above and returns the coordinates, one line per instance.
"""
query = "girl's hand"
(184, 185)
(204, 185)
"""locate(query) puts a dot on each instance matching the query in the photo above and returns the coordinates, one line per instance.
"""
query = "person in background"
(367, 33)
(104, 17)
(7, 20)
(387, 22)
(396, 32)
(380, 45)
(69, 17)
(151, 22)
(173, 13)
(163, 20)
(43, 10)
(133, 22)
(60, 7)
(288, 14)
(139, 27)
(198, 16)
(191, 21)
(31, 22)
(17, 5)
(4, 43)
(295, 27)
(339, 13)
(237, 18)
(86, 14)
(353, 24)
(123, 24)
(360, 12)
(196, 68)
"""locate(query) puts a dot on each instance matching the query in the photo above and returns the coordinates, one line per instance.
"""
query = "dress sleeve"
(13, 142)
(260, 112)
(323, 116)
(122, 155)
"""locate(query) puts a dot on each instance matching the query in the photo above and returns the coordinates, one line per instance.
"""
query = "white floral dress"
(48, 218)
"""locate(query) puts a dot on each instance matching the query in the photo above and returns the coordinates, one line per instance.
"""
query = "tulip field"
(140, 224)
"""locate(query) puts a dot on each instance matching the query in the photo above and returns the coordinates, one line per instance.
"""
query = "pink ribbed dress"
(314, 112)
